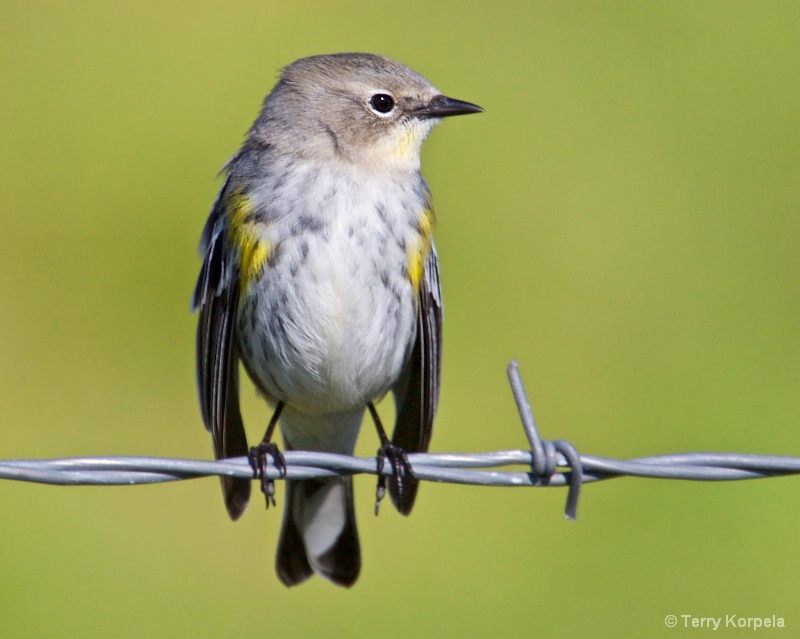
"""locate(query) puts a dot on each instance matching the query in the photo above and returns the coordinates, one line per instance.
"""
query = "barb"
(549, 464)
(545, 453)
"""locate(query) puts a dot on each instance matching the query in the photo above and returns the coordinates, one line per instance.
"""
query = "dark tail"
(319, 533)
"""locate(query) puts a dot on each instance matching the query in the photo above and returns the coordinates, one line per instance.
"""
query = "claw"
(400, 468)
(258, 458)
(258, 461)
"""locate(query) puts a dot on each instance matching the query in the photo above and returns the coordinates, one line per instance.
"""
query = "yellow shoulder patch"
(418, 252)
(244, 238)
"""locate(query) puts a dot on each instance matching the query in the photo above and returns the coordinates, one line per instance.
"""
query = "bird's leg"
(394, 454)
(258, 458)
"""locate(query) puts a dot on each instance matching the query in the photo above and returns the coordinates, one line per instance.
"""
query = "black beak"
(442, 107)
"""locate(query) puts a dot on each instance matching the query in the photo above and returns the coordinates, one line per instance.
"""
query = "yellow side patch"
(253, 251)
(416, 264)
(418, 253)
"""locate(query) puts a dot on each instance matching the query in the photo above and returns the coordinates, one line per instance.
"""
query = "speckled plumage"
(320, 274)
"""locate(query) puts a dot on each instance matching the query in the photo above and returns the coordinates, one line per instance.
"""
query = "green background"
(624, 219)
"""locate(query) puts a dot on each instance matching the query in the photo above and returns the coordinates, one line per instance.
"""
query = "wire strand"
(552, 464)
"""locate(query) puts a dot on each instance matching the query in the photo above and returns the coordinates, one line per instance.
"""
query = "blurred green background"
(624, 219)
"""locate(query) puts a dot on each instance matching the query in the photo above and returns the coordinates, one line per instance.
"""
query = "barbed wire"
(549, 463)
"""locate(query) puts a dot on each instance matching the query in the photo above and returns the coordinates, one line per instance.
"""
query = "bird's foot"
(401, 468)
(258, 461)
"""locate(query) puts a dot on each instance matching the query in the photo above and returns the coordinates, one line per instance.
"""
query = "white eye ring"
(381, 103)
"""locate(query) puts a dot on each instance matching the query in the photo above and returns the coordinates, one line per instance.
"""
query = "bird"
(320, 276)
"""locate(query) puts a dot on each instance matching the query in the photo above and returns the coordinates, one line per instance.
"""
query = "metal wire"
(555, 463)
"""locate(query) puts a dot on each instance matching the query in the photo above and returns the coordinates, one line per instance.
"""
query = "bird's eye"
(382, 103)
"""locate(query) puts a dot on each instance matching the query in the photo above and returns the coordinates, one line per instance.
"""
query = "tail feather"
(319, 533)
(291, 562)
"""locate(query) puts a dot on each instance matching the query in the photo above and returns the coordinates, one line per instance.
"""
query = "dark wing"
(417, 392)
(216, 297)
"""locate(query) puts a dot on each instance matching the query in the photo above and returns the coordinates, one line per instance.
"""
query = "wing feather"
(216, 297)
(417, 392)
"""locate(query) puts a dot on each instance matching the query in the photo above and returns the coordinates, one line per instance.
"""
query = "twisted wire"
(547, 463)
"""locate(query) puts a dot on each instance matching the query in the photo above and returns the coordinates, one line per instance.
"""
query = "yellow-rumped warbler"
(321, 276)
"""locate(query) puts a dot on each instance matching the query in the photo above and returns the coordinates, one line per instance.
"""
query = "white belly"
(329, 326)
